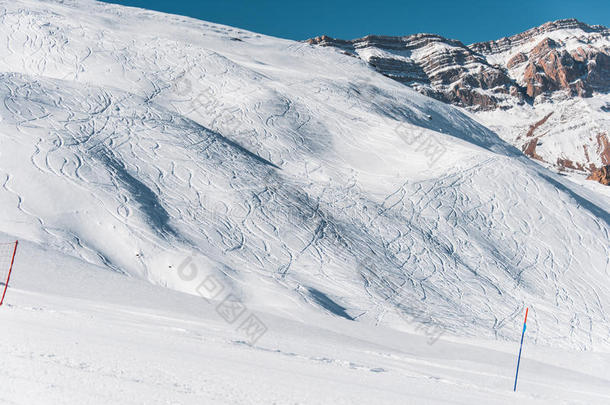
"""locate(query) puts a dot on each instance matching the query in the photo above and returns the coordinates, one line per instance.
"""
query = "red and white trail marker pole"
(7, 259)
(520, 347)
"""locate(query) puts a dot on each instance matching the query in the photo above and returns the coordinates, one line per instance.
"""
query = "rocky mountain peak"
(560, 55)
(506, 43)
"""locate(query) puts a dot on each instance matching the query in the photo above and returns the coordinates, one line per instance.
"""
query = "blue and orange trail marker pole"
(520, 347)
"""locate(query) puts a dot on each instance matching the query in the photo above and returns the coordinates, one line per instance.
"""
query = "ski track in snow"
(137, 343)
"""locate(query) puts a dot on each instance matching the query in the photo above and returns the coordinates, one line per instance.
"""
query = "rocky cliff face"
(441, 68)
(602, 175)
(561, 55)
(513, 84)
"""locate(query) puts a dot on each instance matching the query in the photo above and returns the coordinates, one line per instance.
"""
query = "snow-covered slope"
(98, 338)
(567, 133)
(302, 181)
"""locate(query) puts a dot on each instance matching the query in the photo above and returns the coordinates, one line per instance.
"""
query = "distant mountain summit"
(559, 63)
(571, 56)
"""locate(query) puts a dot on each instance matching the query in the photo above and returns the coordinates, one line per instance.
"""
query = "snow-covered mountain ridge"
(559, 71)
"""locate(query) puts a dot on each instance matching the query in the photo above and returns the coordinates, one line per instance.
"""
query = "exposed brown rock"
(603, 148)
(536, 125)
(516, 60)
(550, 69)
(602, 175)
(529, 149)
(568, 164)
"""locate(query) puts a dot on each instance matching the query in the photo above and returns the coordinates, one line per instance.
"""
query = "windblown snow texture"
(296, 176)
(284, 163)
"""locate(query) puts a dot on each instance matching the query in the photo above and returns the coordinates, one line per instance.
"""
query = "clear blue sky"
(468, 21)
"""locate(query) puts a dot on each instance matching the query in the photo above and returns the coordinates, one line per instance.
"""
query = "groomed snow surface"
(209, 215)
